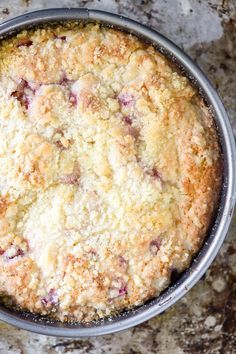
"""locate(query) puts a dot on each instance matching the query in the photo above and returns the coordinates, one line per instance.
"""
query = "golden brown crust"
(110, 171)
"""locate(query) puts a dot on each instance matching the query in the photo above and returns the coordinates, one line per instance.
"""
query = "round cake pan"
(218, 230)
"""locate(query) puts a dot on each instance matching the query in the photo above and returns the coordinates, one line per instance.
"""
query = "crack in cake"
(110, 171)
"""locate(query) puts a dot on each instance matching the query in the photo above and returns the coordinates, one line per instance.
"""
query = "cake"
(110, 171)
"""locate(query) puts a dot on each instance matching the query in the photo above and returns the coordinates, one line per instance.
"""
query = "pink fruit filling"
(24, 42)
(18, 253)
(123, 262)
(118, 289)
(58, 135)
(51, 299)
(134, 132)
(126, 99)
(156, 174)
(128, 120)
(20, 93)
(71, 178)
(73, 98)
(12, 252)
(62, 38)
(64, 80)
(154, 246)
(93, 252)
(26, 102)
(123, 291)
(59, 145)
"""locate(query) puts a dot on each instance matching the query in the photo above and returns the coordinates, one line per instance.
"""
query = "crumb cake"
(110, 171)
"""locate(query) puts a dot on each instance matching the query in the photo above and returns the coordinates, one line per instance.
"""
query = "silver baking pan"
(217, 231)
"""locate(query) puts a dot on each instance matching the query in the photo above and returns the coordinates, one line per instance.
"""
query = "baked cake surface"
(110, 171)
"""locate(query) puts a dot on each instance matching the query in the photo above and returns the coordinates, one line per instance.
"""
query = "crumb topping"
(110, 171)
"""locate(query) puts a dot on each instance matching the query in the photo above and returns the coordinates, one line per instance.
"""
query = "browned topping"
(107, 162)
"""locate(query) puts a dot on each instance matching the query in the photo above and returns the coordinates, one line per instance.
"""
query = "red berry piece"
(73, 99)
(128, 120)
(118, 289)
(155, 173)
(123, 291)
(62, 38)
(24, 42)
(71, 178)
(18, 253)
(51, 299)
(134, 132)
(155, 246)
(126, 99)
(26, 102)
(20, 93)
(64, 80)
(123, 262)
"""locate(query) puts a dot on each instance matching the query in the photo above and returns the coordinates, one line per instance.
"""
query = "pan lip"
(218, 232)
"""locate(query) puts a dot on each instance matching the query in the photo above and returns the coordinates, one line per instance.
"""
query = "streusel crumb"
(110, 171)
